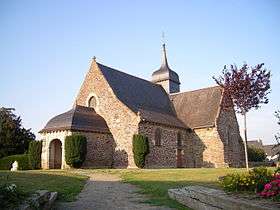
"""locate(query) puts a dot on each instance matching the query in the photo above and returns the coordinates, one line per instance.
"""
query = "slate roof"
(141, 96)
(198, 108)
(79, 118)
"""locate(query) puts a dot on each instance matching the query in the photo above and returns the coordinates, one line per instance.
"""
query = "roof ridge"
(216, 86)
(127, 73)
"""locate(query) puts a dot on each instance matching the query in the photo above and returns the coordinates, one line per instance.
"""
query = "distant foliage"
(34, 151)
(23, 162)
(75, 150)
(14, 139)
(256, 154)
(140, 149)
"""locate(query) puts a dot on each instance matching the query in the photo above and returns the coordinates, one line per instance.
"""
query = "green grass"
(67, 184)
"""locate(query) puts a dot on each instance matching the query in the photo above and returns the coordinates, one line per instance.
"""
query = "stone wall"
(164, 156)
(47, 138)
(99, 150)
(219, 146)
(122, 122)
(228, 130)
(204, 148)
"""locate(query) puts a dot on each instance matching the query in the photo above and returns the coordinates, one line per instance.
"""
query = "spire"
(164, 75)
(164, 63)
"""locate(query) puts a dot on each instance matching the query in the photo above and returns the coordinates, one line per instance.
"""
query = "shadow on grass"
(67, 185)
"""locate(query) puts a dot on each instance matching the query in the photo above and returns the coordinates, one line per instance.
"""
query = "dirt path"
(107, 192)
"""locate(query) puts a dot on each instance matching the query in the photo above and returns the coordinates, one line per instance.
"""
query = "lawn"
(67, 184)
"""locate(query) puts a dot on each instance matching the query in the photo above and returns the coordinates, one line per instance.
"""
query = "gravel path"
(107, 192)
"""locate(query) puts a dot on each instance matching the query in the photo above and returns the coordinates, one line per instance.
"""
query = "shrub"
(140, 149)
(261, 176)
(34, 151)
(254, 180)
(272, 188)
(238, 182)
(23, 162)
(256, 154)
(10, 196)
(75, 150)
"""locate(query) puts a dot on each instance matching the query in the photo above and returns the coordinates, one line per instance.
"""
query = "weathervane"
(163, 38)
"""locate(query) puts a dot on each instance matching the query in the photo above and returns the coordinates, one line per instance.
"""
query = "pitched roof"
(79, 118)
(198, 108)
(140, 95)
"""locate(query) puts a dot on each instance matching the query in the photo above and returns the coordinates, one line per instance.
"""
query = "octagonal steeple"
(165, 76)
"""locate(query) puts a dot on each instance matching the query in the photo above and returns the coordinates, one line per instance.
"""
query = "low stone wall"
(42, 199)
(202, 198)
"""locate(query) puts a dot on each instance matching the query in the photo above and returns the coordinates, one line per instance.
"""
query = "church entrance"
(179, 158)
(55, 157)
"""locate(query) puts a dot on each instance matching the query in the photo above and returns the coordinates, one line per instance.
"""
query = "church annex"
(185, 129)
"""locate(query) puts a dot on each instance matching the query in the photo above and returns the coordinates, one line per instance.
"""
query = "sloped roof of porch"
(79, 118)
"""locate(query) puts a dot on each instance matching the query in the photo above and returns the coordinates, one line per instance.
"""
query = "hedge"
(34, 151)
(23, 162)
(75, 150)
(140, 149)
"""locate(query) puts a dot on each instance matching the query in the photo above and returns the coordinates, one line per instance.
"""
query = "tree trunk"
(245, 142)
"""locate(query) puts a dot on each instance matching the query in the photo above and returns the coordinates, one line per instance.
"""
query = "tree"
(140, 149)
(75, 150)
(256, 154)
(34, 151)
(244, 88)
(14, 139)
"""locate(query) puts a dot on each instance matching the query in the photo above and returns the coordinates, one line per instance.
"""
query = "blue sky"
(46, 48)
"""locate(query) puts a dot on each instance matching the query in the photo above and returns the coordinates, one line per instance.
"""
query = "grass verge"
(67, 184)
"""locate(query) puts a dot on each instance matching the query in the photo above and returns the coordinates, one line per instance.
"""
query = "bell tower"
(164, 76)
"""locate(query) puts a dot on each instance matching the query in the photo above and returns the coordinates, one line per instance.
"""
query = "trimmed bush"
(75, 150)
(256, 154)
(23, 162)
(140, 149)
(34, 151)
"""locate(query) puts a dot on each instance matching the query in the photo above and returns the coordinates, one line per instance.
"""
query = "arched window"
(158, 137)
(92, 102)
(179, 139)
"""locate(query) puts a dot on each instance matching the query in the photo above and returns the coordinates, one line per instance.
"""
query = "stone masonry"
(123, 123)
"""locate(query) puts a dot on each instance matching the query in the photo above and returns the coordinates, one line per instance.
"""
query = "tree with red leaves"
(244, 89)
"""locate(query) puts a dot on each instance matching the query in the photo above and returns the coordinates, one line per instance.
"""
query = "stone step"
(204, 198)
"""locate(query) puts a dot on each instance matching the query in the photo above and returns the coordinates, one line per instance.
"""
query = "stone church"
(185, 129)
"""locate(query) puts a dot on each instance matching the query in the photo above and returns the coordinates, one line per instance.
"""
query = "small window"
(158, 137)
(179, 139)
(92, 102)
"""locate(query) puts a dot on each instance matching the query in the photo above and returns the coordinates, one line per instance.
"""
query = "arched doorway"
(55, 154)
